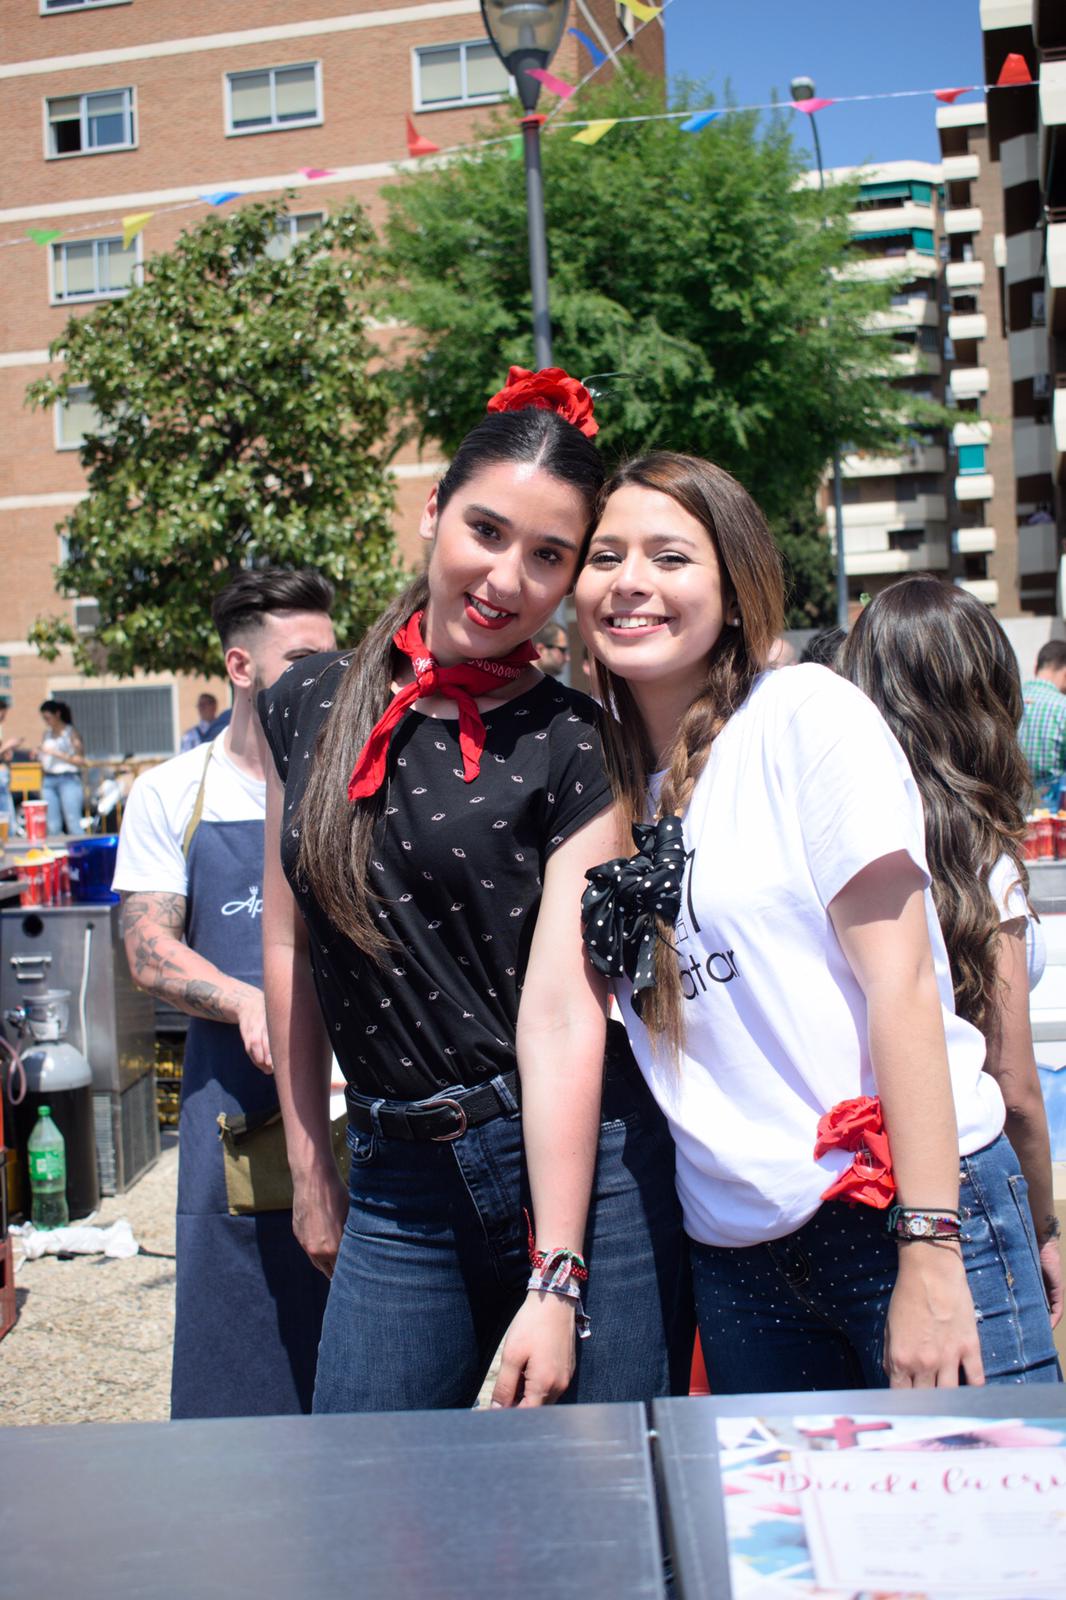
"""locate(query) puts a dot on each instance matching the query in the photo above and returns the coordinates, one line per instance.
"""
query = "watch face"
(919, 1227)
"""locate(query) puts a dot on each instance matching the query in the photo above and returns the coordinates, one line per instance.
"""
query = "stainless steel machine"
(79, 948)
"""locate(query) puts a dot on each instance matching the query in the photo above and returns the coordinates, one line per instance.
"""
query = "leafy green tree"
(688, 268)
(810, 568)
(241, 424)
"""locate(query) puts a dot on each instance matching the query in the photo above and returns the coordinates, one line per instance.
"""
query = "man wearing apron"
(249, 1303)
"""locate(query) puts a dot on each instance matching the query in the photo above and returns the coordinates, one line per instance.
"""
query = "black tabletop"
(433, 1505)
(686, 1454)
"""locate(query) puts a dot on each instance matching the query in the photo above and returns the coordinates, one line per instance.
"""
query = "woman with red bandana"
(854, 1210)
(436, 803)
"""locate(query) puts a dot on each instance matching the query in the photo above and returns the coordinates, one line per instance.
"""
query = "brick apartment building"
(117, 106)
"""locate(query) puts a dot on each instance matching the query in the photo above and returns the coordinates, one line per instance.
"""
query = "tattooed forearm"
(1051, 1229)
(153, 927)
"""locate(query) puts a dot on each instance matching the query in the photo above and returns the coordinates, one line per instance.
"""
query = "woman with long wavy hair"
(784, 979)
(941, 671)
(436, 802)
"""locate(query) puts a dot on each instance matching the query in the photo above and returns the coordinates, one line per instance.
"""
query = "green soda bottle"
(48, 1173)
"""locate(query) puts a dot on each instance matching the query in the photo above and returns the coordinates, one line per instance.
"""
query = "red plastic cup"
(62, 883)
(1029, 842)
(1045, 839)
(31, 883)
(35, 818)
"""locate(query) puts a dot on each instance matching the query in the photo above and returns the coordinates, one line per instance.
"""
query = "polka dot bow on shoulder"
(625, 896)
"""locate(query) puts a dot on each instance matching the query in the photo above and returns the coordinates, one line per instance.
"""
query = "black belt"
(442, 1118)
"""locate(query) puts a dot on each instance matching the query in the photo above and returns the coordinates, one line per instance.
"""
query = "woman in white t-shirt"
(941, 671)
(784, 979)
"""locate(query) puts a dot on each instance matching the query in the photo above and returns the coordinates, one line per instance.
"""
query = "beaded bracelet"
(539, 1259)
(909, 1222)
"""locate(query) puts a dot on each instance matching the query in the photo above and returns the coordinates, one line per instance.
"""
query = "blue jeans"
(808, 1311)
(433, 1265)
(63, 793)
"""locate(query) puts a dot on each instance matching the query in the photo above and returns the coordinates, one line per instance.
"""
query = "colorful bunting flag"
(595, 131)
(553, 84)
(810, 106)
(700, 120)
(514, 147)
(221, 197)
(317, 172)
(639, 9)
(132, 225)
(1013, 72)
(594, 50)
(417, 144)
(949, 96)
(43, 235)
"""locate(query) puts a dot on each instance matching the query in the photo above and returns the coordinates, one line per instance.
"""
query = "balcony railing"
(973, 541)
(964, 274)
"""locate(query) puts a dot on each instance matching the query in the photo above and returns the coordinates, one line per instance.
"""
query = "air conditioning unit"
(1039, 308)
(1041, 385)
(86, 616)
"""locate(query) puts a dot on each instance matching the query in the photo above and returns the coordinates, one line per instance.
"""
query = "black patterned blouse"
(458, 868)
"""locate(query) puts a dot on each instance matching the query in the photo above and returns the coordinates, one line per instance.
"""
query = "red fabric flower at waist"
(858, 1125)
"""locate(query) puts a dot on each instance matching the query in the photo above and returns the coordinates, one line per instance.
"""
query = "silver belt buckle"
(457, 1133)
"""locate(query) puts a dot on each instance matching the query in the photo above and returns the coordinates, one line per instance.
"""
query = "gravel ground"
(92, 1341)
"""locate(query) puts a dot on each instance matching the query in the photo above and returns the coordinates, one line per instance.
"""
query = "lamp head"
(802, 88)
(525, 33)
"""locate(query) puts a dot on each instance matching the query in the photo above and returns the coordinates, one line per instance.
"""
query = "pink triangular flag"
(553, 84)
(1013, 71)
(317, 172)
(811, 106)
(417, 144)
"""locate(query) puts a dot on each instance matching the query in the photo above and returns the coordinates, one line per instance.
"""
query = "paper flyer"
(869, 1507)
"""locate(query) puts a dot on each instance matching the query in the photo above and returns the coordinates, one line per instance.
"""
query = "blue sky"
(847, 47)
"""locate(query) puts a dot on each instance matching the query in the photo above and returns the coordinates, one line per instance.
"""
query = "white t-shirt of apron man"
(804, 788)
(151, 856)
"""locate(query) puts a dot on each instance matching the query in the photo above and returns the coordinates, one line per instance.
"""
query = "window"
(93, 269)
(119, 722)
(971, 458)
(466, 74)
(291, 230)
(1039, 308)
(277, 97)
(48, 6)
(75, 417)
(88, 124)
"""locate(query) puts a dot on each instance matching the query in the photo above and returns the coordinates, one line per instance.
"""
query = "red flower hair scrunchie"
(551, 389)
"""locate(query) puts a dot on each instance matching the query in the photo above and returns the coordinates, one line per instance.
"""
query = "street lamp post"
(803, 89)
(524, 34)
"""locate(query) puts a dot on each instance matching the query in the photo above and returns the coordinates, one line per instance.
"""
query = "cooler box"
(92, 866)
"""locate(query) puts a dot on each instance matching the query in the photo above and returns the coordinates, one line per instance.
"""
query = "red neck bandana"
(460, 683)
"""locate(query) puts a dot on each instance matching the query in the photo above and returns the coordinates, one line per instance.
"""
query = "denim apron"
(249, 1303)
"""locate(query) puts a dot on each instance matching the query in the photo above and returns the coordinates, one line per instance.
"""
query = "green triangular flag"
(514, 148)
(43, 235)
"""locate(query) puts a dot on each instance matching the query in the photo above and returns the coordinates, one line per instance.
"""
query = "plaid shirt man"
(1043, 733)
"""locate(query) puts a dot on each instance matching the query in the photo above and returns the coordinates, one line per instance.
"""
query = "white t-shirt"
(159, 808)
(804, 788)
(54, 747)
(1009, 896)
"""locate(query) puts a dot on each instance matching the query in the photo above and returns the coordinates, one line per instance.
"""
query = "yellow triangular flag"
(639, 9)
(132, 225)
(595, 131)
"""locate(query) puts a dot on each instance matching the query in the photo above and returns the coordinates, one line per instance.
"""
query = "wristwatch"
(907, 1223)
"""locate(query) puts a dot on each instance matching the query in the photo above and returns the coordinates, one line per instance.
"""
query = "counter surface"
(412, 1506)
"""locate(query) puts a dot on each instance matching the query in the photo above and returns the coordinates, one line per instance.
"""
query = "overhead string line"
(602, 125)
